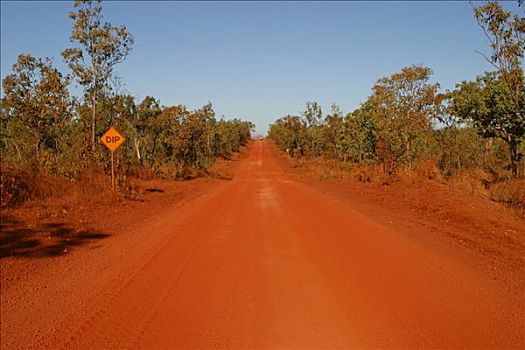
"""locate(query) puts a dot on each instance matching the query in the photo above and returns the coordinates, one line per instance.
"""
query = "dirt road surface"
(262, 261)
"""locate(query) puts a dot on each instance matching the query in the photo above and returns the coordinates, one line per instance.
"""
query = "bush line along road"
(275, 264)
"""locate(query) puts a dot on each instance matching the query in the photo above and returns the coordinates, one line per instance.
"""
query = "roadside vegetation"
(472, 137)
(49, 138)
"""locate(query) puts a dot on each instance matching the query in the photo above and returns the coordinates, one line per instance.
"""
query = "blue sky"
(262, 60)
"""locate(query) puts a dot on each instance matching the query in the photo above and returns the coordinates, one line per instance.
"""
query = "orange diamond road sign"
(112, 139)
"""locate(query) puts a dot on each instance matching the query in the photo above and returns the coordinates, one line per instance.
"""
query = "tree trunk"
(37, 149)
(137, 149)
(37, 143)
(513, 148)
(93, 121)
(18, 152)
(408, 147)
(486, 150)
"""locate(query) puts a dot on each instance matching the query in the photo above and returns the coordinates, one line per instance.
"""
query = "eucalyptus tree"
(504, 117)
(100, 46)
(290, 134)
(313, 118)
(505, 33)
(143, 135)
(485, 103)
(360, 134)
(333, 133)
(403, 106)
(35, 101)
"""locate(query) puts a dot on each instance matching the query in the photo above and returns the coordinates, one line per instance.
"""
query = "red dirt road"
(262, 261)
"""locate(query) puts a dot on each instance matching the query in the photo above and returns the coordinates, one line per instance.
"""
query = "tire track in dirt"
(148, 280)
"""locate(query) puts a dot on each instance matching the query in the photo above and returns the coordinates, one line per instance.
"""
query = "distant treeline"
(408, 120)
(44, 129)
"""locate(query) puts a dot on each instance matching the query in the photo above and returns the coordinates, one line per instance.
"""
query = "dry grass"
(372, 173)
(480, 183)
(141, 172)
(94, 186)
(322, 168)
(16, 188)
(511, 191)
(472, 181)
(476, 182)
(326, 169)
(423, 171)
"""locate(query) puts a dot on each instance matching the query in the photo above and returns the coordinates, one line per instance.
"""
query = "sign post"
(112, 171)
(112, 139)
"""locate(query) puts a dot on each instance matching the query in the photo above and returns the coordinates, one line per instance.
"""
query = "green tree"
(143, 135)
(229, 135)
(333, 133)
(403, 107)
(100, 47)
(361, 134)
(313, 118)
(486, 104)
(36, 101)
(179, 142)
(290, 134)
(505, 33)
